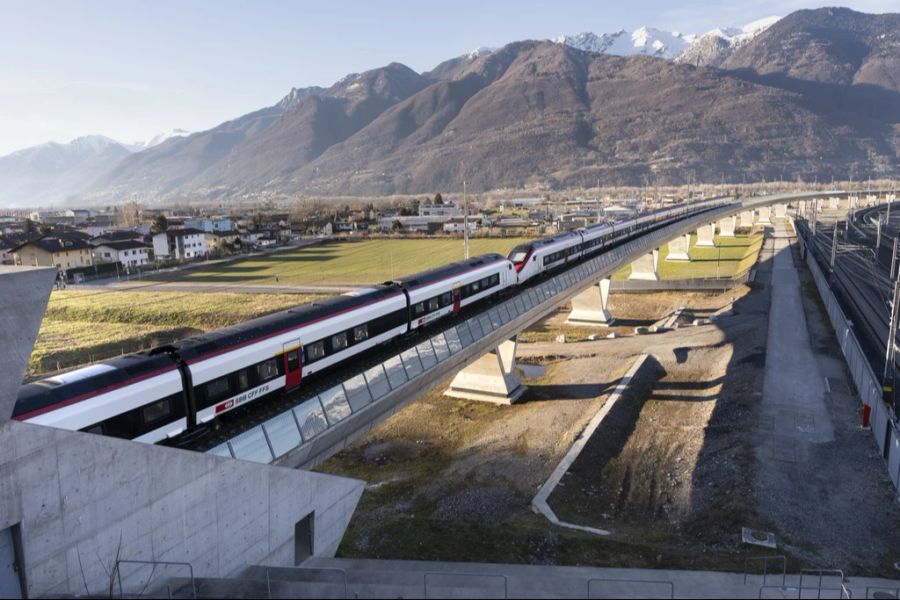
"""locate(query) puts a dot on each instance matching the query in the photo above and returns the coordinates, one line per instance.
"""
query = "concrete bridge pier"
(646, 267)
(747, 219)
(727, 226)
(706, 236)
(780, 211)
(491, 378)
(764, 215)
(586, 310)
(680, 249)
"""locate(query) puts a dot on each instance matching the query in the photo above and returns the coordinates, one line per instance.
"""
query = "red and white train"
(165, 392)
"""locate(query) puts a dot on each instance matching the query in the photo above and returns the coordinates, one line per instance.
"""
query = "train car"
(544, 255)
(446, 290)
(236, 365)
(139, 396)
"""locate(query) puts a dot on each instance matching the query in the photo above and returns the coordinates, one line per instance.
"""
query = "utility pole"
(834, 247)
(894, 259)
(877, 237)
(815, 215)
(465, 220)
(888, 378)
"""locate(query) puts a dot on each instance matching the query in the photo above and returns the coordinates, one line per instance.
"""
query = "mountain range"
(815, 94)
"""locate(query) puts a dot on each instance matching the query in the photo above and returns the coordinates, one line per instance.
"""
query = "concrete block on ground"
(764, 213)
(706, 236)
(646, 267)
(590, 307)
(680, 249)
(24, 292)
(780, 211)
(491, 378)
(747, 219)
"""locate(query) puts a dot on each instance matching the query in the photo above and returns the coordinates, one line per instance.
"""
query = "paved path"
(794, 413)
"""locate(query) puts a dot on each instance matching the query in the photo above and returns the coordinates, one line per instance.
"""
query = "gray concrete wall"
(81, 501)
(24, 292)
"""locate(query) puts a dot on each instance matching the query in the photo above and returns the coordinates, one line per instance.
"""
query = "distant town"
(126, 240)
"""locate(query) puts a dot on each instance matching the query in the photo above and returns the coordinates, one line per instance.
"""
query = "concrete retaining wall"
(82, 501)
(867, 384)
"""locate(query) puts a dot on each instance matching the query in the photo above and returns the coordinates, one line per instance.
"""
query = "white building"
(448, 209)
(130, 253)
(180, 244)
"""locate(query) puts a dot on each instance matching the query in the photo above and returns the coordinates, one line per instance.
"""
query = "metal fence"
(887, 436)
(305, 423)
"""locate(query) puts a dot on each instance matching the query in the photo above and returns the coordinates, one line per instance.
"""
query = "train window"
(486, 283)
(433, 304)
(361, 332)
(447, 299)
(157, 411)
(243, 381)
(217, 389)
(267, 370)
(476, 285)
(315, 351)
(293, 360)
(339, 341)
(419, 309)
(122, 426)
(495, 279)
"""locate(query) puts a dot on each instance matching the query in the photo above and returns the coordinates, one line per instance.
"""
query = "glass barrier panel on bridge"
(426, 354)
(465, 334)
(454, 344)
(283, 433)
(335, 403)
(357, 392)
(252, 445)
(221, 450)
(441, 348)
(396, 374)
(311, 417)
(411, 363)
(486, 326)
(378, 382)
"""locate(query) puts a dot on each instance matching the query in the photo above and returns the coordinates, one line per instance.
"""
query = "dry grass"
(80, 327)
(346, 262)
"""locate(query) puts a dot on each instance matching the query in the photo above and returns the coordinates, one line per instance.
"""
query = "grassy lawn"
(345, 263)
(732, 255)
(84, 326)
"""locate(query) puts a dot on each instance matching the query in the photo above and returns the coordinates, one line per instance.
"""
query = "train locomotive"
(171, 390)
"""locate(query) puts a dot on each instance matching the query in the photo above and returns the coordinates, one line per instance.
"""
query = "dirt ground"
(671, 477)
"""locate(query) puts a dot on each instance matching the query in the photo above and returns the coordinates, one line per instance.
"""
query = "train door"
(457, 298)
(292, 353)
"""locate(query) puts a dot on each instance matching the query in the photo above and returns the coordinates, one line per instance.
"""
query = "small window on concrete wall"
(10, 563)
(303, 538)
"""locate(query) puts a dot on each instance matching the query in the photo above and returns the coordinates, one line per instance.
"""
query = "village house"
(180, 244)
(130, 254)
(53, 251)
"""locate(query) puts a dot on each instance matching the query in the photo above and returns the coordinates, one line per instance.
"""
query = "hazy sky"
(131, 69)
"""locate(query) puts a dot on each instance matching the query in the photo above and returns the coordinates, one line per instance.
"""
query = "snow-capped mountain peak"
(672, 45)
(644, 40)
(480, 51)
(157, 139)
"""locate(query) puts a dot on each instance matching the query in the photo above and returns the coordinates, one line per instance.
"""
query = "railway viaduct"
(85, 514)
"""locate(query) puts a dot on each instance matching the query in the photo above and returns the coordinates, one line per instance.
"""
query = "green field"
(84, 326)
(732, 255)
(344, 263)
